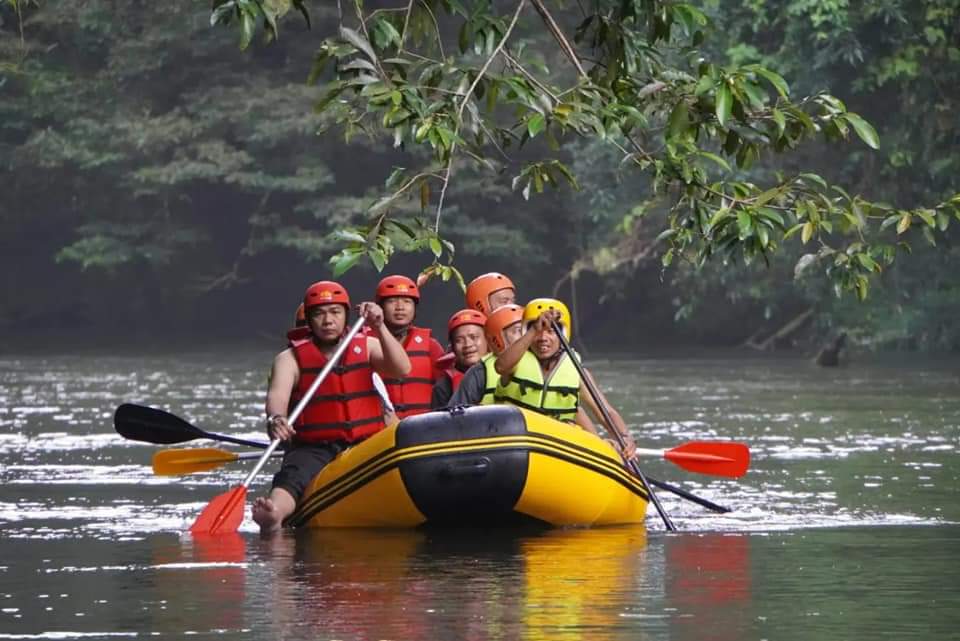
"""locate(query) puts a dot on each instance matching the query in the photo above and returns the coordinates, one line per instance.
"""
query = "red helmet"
(465, 317)
(480, 288)
(300, 318)
(397, 286)
(325, 292)
(498, 321)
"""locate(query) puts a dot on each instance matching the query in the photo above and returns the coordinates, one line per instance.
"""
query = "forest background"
(157, 184)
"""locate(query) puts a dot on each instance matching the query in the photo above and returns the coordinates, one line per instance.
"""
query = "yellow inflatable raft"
(487, 465)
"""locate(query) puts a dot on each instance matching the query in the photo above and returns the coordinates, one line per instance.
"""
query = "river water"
(846, 526)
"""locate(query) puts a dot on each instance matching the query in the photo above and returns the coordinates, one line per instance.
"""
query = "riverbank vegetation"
(681, 166)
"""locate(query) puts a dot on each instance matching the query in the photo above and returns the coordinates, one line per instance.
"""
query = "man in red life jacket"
(343, 411)
(469, 345)
(410, 395)
(488, 292)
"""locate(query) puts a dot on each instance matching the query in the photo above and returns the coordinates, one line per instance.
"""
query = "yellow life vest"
(492, 378)
(558, 397)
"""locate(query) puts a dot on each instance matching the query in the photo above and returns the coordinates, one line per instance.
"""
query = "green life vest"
(558, 397)
(490, 387)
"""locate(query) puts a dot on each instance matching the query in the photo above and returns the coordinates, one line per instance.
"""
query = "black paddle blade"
(150, 425)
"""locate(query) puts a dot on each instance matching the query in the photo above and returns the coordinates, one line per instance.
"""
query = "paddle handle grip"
(331, 363)
(595, 393)
(642, 451)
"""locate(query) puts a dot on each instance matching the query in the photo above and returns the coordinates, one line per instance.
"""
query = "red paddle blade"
(223, 514)
(705, 457)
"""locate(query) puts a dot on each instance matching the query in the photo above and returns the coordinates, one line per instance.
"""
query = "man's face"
(512, 333)
(546, 345)
(469, 344)
(398, 311)
(327, 321)
(500, 298)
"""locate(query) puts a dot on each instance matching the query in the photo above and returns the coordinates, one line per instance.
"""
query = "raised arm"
(509, 358)
(387, 355)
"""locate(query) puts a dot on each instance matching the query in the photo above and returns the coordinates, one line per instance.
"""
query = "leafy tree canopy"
(475, 83)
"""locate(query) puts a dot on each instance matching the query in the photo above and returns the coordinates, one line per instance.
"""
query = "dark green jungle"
(161, 184)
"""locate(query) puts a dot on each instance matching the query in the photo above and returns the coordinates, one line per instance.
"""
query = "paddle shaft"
(682, 493)
(595, 393)
(295, 414)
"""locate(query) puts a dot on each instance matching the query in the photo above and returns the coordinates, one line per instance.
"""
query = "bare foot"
(267, 516)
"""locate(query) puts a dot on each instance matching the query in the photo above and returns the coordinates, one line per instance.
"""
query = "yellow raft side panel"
(563, 493)
(393, 507)
(381, 502)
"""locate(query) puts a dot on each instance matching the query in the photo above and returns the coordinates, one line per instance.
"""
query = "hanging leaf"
(864, 129)
(359, 42)
(724, 104)
(536, 124)
(344, 261)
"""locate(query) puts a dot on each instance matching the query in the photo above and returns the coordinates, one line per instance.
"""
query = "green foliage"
(689, 123)
(615, 140)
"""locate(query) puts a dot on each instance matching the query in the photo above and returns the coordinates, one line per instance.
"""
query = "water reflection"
(394, 584)
(708, 586)
(580, 581)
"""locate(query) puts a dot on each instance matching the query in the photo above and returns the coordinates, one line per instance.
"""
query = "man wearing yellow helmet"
(537, 375)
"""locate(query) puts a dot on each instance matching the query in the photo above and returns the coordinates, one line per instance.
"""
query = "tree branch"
(463, 104)
(560, 38)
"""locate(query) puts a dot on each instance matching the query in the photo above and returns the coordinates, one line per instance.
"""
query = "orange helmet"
(500, 320)
(325, 292)
(480, 288)
(397, 286)
(300, 318)
(465, 317)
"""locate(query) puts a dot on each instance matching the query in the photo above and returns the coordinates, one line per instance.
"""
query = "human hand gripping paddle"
(631, 464)
(225, 512)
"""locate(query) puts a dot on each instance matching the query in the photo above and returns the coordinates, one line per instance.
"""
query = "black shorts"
(302, 462)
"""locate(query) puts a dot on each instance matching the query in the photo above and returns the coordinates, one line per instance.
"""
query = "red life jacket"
(455, 377)
(346, 406)
(410, 395)
(297, 334)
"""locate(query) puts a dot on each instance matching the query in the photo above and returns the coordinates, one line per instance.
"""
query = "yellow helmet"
(539, 305)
